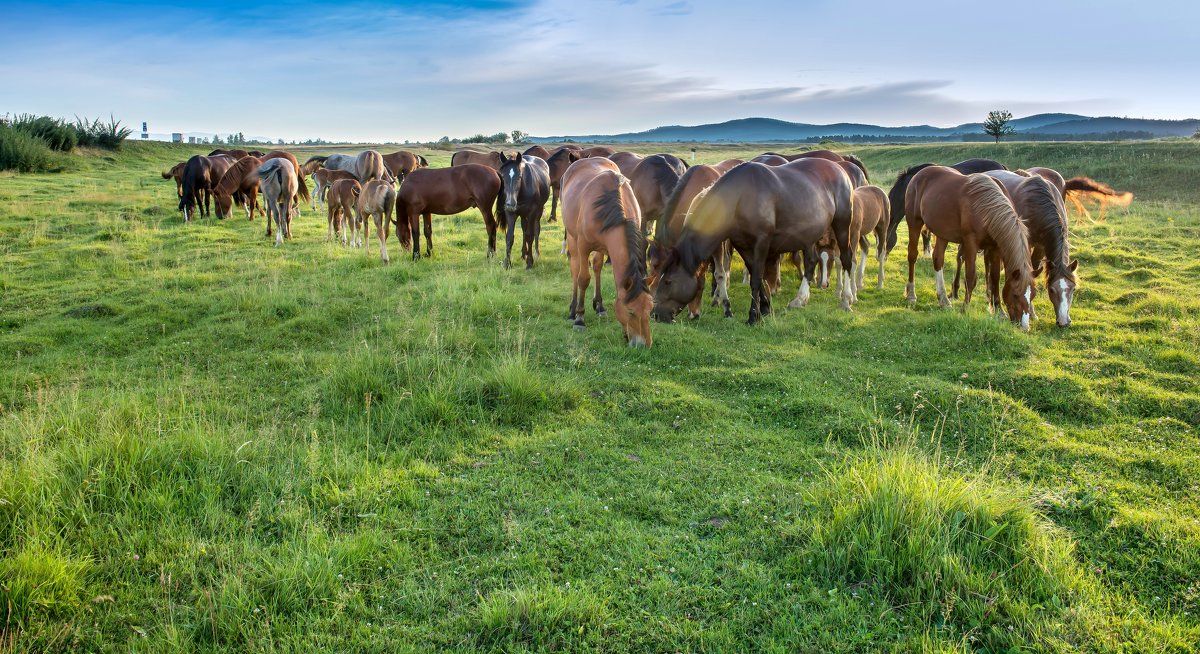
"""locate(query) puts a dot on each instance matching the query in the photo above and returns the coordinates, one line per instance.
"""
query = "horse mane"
(858, 162)
(1047, 205)
(1000, 219)
(611, 213)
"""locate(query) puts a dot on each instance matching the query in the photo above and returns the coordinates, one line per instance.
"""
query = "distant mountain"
(770, 130)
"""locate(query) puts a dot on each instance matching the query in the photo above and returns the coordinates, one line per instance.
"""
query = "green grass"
(211, 444)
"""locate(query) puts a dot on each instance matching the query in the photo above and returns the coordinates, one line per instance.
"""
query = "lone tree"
(518, 136)
(996, 125)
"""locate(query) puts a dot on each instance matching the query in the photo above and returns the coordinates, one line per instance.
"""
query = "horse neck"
(1015, 253)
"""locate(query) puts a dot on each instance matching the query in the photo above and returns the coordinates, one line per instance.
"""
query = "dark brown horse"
(537, 151)
(596, 151)
(974, 211)
(900, 187)
(200, 175)
(446, 191)
(626, 161)
(559, 162)
(653, 180)
(601, 217)
(489, 159)
(770, 159)
(765, 212)
(525, 187)
(399, 164)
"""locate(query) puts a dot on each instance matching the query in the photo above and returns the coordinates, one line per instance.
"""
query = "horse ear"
(1073, 265)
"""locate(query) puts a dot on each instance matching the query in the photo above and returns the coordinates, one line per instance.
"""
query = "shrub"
(100, 134)
(22, 151)
(57, 134)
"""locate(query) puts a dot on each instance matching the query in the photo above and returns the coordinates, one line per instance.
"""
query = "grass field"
(211, 444)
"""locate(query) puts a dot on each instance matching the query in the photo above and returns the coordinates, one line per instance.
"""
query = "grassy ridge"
(207, 443)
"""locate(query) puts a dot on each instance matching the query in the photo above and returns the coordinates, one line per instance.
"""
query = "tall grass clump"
(57, 134)
(962, 558)
(23, 152)
(99, 134)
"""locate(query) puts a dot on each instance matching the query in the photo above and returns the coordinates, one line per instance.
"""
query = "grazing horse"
(897, 194)
(447, 191)
(670, 224)
(176, 173)
(559, 162)
(365, 166)
(399, 164)
(1050, 175)
(765, 212)
(302, 189)
(489, 159)
(871, 212)
(596, 151)
(236, 154)
(524, 189)
(1081, 189)
(322, 178)
(240, 180)
(770, 159)
(343, 198)
(601, 217)
(974, 211)
(1040, 206)
(828, 155)
(200, 175)
(626, 161)
(653, 180)
(277, 179)
(378, 200)
(537, 151)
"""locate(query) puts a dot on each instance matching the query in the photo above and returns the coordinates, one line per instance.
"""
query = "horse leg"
(597, 300)
(381, 233)
(414, 226)
(582, 280)
(970, 251)
(846, 239)
(925, 239)
(509, 237)
(554, 207)
(280, 225)
(958, 262)
(1037, 259)
(429, 236)
(721, 277)
(914, 235)
(991, 275)
(801, 261)
(489, 221)
(861, 269)
(575, 300)
(757, 263)
(939, 261)
(881, 251)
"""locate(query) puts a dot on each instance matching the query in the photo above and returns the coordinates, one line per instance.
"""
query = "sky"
(422, 70)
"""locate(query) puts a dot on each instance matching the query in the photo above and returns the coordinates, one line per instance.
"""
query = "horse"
(277, 179)
(489, 159)
(240, 180)
(1080, 189)
(871, 212)
(537, 151)
(1050, 175)
(524, 189)
(858, 177)
(601, 217)
(765, 212)
(670, 224)
(652, 181)
(403, 162)
(176, 173)
(447, 191)
(559, 161)
(322, 178)
(899, 188)
(236, 154)
(343, 198)
(200, 175)
(831, 156)
(974, 211)
(1041, 208)
(377, 200)
(256, 153)
(365, 166)
(626, 161)
(596, 151)
(302, 188)
(770, 159)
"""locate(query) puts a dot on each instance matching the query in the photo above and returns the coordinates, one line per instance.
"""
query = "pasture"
(208, 443)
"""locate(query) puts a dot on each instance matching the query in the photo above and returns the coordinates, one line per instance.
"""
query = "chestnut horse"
(601, 217)
(765, 212)
(524, 189)
(974, 211)
(559, 162)
(896, 195)
(277, 179)
(653, 180)
(537, 151)
(769, 159)
(377, 200)
(399, 164)
(322, 178)
(343, 197)
(871, 212)
(446, 191)
(176, 173)
(596, 151)
(1040, 206)
(626, 161)
(240, 180)
(236, 154)
(489, 159)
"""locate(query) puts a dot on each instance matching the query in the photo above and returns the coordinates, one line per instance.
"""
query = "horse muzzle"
(510, 207)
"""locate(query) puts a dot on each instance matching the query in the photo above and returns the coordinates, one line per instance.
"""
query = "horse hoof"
(507, 264)
(601, 314)
(579, 326)
(693, 316)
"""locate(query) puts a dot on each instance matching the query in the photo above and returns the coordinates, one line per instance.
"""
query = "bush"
(22, 151)
(100, 134)
(57, 134)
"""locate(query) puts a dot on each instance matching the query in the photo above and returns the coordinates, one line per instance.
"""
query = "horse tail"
(1089, 186)
(500, 216)
(302, 188)
(988, 200)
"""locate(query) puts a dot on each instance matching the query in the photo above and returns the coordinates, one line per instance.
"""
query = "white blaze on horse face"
(1064, 303)
(1025, 315)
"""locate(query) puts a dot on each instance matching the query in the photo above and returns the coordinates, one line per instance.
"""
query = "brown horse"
(765, 212)
(857, 176)
(537, 151)
(176, 173)
(377, 200)
(1050, 175)
(322, 178)
(769, 159)
(200, 175)
(490, 159)
(596, 151)
(240, 180)
(447, 191)
(974, 211)
(236, 154)
(343, 198)
(652, 181)
(1040, 207)
(601, 217)
(871, 212)
(559, 162)
(626, 161)
(399, 164)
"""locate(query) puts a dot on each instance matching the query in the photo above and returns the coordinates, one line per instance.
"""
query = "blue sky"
(421, 70)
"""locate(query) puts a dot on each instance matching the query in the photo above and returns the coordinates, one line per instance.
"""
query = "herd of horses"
(665, 226)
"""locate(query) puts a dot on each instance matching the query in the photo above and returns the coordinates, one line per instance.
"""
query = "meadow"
(208, 443)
